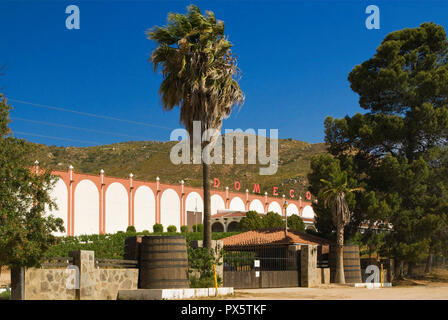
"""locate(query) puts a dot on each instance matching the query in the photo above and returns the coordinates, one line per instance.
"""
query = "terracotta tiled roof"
(229, 214)
(268, 237)
(233, 214)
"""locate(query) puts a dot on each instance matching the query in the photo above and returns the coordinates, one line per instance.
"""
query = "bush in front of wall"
(157, 227)
(171, 228)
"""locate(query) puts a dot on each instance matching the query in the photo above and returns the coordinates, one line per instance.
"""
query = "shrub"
(252, 221)
(131, 229)
(198, 228)
(157, 227)
(201, 260)
(146, 232)
(6, 295)
(204, 282)
(171, 228)
(295, 223)
(184, 229)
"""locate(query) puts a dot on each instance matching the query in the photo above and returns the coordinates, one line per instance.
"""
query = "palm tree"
(200, 75)
(334, 196)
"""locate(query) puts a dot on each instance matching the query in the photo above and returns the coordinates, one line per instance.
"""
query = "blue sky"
(295, 57)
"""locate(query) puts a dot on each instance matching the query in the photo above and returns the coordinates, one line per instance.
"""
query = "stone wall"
(50, 284)
(93, 284)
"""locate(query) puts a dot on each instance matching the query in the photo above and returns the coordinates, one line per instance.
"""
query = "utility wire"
(88, 114)
(52, 137)
(76, 128)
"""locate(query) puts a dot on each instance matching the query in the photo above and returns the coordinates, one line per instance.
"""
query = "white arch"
(194, 202)
(292, 209)
(144, 209)
(275, 207)
(117, 208)
(308, 212)
(170, 209)
(256, 205)
(59, 194)
(87, 208)
(237, 204)
(216, 203)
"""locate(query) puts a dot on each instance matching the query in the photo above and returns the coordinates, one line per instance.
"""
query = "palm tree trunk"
(428, 267)
(339, 275)
(207, 215)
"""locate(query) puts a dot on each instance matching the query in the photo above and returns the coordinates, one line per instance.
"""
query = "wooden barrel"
(352, 265)
(132, 248)
(163, 262)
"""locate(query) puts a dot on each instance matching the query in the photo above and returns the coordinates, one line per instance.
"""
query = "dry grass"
(438, 275)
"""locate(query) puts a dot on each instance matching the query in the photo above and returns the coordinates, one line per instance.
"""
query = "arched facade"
(217, 227)
(194, 202)
(170, 209)
(237, 204)
(216, 203)
(117, 208)
(98, 204)
(144, 209)
(59, 194)
(308, 212)
(256, 205)
(232, 226)
(275, 207)
(292, 209)
(87, 209)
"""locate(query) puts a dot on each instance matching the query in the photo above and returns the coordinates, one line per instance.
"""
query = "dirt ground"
(431, 291)
(429, 287)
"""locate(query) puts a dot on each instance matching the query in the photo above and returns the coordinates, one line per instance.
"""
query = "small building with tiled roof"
(276, 237)
(273, 249)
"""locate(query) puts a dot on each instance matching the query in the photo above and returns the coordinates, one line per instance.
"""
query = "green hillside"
(149, 159)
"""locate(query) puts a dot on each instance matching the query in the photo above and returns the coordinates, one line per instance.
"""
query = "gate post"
(308, 274)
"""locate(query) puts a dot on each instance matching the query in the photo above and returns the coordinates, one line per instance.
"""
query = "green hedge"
(111, 246)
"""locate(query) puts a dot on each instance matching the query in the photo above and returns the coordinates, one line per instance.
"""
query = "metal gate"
(261, 267)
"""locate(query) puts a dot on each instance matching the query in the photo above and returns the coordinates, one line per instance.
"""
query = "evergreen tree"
(295, 223)
(25, 231)
(397, 149)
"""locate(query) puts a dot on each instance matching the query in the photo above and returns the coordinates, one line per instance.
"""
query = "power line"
(87, 114)
(76, 128)
(74, 140)
(52, 137)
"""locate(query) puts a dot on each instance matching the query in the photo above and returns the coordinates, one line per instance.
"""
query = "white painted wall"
(216, 203)
(144, 209)
(194, 200)
(256, 205)
(170, 209)
(292, 209)
(59, 194)
(87, 208)
(275, 207)
(117, 208)
(308, 212)
(237, 204)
